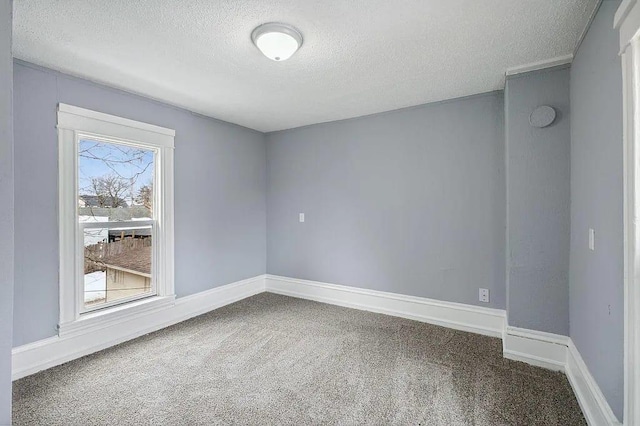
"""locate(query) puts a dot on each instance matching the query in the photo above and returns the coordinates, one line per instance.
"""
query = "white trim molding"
(541, 349)
(82, 119)
(627, 21)
(535, 66)
(75, 123)
(556, 352)
(594, 406)
(537, 348)
(33, 357)
(622, 12)
(458, 316)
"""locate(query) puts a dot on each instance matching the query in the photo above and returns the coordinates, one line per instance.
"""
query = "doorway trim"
(627, 21)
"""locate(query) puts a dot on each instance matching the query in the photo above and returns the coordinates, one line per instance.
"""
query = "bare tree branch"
(109, 190)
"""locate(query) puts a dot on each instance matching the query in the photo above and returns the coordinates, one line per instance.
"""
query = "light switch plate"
(592, 239)
(301, 217)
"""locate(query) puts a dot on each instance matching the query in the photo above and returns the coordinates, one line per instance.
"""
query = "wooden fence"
(95, 254)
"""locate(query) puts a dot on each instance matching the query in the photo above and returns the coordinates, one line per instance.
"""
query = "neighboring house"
(128, 273)
(94, 201)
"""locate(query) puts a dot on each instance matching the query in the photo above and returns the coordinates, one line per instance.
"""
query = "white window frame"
(76, 123)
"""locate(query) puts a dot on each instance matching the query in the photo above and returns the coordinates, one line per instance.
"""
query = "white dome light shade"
(277, 46)
(277, 42)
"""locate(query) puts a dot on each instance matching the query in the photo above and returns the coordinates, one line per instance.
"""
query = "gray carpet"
(272, 359)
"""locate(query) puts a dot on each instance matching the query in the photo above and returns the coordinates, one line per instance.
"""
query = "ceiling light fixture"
(277, 42)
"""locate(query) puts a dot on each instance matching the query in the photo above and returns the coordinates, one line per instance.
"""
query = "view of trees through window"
(115, 184)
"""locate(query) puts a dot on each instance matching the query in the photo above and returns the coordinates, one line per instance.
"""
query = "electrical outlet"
(484, 295)
(301, 217)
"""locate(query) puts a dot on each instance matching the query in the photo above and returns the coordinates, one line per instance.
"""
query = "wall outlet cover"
(483, 295)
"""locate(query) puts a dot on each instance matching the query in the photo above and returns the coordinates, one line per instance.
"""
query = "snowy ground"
(95, 285)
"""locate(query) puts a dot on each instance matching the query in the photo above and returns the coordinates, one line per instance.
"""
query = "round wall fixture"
(276, 41)
(542, 116)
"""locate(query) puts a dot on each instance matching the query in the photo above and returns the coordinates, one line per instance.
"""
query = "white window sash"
(83, 309)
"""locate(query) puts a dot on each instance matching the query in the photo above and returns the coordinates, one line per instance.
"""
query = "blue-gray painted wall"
(410, 201)
(538, 203)
(596, 279)
(6, 211)
(220, 205)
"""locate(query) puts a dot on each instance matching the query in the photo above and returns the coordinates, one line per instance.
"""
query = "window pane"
(115, 182)
(117, 263)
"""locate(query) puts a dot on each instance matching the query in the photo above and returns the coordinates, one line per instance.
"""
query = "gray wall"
(409, 201)
(220, 203)
(597, 300)
(6, 211)
(538, 203)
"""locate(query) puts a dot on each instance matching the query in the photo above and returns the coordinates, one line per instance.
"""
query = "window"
(116, 216)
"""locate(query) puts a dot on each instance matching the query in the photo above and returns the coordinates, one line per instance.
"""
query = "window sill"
(97, 320)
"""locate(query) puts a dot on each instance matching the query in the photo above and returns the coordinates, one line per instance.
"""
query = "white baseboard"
(46, 353)
(546, 350)
(541, 349)
(557, 352)
(475, 319)
(537, 348)
(595, 407)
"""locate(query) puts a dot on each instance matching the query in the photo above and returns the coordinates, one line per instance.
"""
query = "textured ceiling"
(359, 56)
